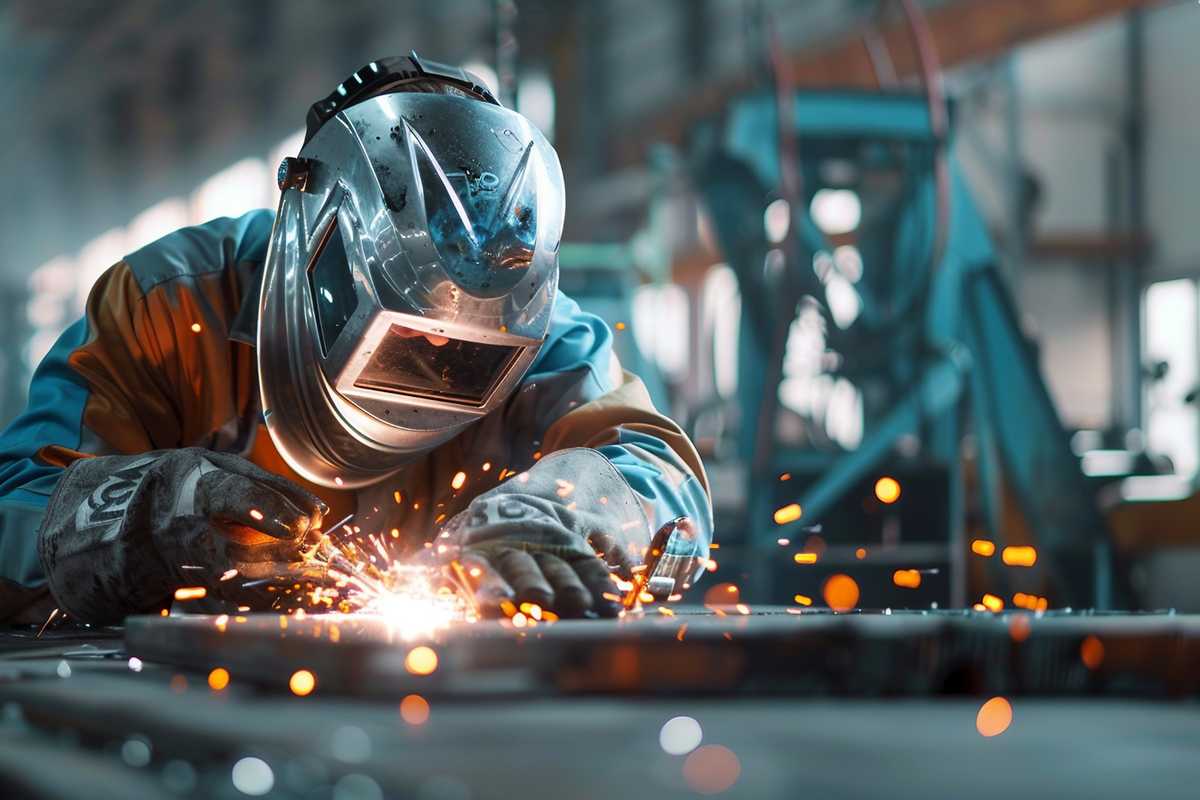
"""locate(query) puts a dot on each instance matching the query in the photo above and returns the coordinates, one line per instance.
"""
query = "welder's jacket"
(164, 358)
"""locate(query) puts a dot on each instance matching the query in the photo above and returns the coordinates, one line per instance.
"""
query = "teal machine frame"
(937, 327)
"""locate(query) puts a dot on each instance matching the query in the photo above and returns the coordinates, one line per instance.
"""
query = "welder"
(390, 343)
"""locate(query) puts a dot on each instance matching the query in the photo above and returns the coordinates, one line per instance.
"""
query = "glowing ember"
(982, 547)
(805, 558)
(789, 513)
(190, 593)
(907, 578)
(992, 603)
(1029, 601)
(458, 480)
(1019, 556)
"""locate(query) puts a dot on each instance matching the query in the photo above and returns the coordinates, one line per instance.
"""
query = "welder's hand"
(122, 532)
(571, 577)
(554, 537)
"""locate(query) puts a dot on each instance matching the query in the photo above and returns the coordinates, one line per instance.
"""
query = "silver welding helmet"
(411, 271)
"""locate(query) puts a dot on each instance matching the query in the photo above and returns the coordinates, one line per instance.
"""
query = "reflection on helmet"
(408, 287)
(484, 232)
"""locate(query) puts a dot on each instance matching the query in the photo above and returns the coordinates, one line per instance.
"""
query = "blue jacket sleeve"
(52, 416)
(580, 397)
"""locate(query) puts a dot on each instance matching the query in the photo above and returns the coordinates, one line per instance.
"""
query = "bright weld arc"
(413, 600)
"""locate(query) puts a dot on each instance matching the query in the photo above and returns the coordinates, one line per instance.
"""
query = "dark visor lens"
(332, 287)
(407, 362)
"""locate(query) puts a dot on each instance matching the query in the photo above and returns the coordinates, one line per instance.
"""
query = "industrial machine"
(886, 391)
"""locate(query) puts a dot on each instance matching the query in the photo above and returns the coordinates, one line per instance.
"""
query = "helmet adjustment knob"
(294, 173)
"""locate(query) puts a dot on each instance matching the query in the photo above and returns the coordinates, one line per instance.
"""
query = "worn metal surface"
(507, 718)
(767, 651)
(592, 747)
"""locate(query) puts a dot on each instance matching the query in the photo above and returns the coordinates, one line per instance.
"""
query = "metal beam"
(966, 31)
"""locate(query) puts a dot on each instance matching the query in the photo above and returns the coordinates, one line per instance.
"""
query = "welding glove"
(553, 535)
(121, 533)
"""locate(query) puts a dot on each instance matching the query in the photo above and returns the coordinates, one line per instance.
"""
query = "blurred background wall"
(1075, 124)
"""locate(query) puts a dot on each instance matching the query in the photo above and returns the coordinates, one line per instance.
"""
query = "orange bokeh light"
(841, 592)
(421, 660)
(994, 717)
(1020, 627)
(887, 490)
(722, 594)
(414, 709)
(907, 578)
(711, 769)
(1091, 652)
(218, 679)
(302, 682)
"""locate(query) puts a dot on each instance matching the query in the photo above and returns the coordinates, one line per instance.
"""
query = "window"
(661, 327)
(1169, 352)
(721, 305)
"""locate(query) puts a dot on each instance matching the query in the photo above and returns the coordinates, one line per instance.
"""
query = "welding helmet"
(411, 272)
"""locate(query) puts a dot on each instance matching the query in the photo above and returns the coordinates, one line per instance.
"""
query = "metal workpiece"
(733, 650)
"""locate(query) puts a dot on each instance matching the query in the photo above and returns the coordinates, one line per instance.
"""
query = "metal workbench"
(810, 705)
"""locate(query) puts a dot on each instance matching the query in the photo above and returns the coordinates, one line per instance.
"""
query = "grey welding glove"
(121, 533)
(553, 535)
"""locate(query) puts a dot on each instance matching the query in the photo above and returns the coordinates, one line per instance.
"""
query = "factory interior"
(913, 287)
